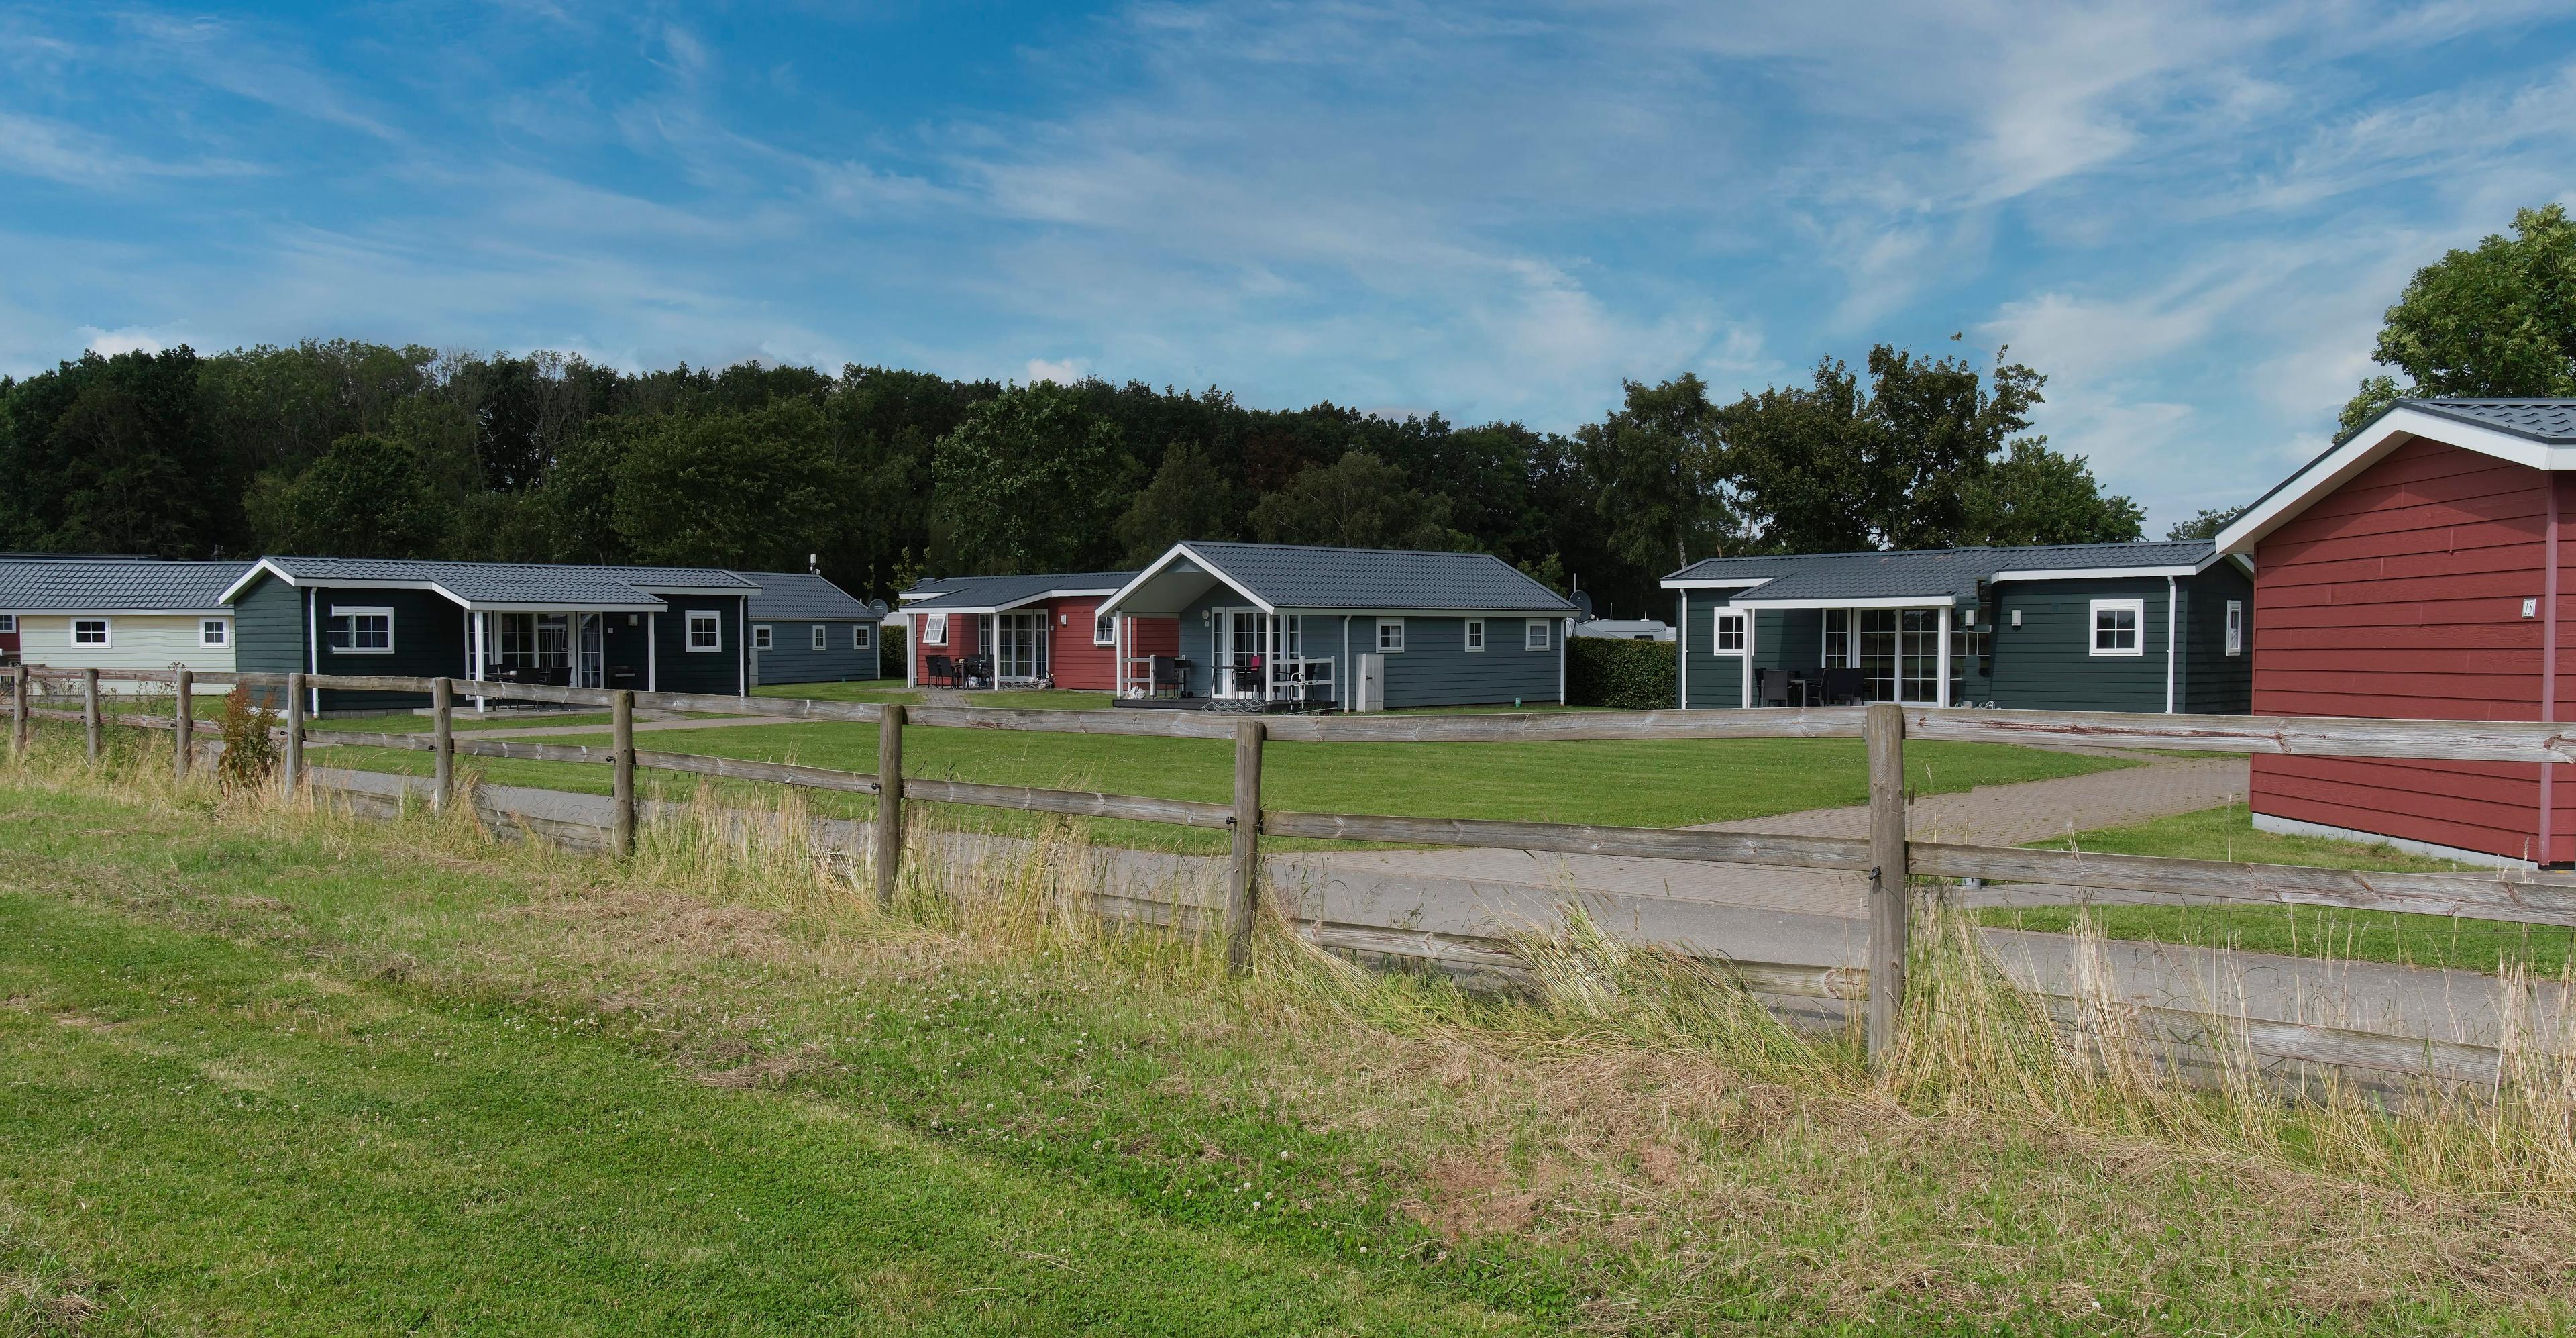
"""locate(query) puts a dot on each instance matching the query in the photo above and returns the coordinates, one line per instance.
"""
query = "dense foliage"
(363, 449)
(1628, 675)
(2496, 321)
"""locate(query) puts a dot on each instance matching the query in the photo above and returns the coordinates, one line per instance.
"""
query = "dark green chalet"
(2066, 627)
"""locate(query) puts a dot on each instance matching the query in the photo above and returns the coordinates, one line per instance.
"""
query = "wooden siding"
(1713, 680)
(1437, 669)
(2212, 681)
(429, 642)
(2047, 664)
(680, 669)
(2400, 594)
(792, 658)
(135, 641)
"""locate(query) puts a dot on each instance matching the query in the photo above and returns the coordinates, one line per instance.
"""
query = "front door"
(1238, 646)
(591, 669)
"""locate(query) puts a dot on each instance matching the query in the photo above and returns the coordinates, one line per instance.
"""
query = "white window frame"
(8, 623)
(2135, 607)
(222, 629)
(761, 637)
(934, 629)
(1104, 628)
(689, 631)
(1535, 635)
(821, 637)
(106, 632)
(1475, 636)
(354, 612)
(861, 637)
(1396, 646)
(2236, 627)
(1718, 628)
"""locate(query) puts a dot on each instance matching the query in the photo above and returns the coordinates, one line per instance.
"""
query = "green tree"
(114, 455)
(1030, 481)
(1189, 498)
(368, 496)
(2206, 522)
(1653, 472)
(2037, 496)
(731, 488)
(1358, 501)
(2499, 320)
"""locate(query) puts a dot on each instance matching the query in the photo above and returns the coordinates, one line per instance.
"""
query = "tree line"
(360, 449)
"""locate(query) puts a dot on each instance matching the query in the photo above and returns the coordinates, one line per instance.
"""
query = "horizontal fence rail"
(1888, 861)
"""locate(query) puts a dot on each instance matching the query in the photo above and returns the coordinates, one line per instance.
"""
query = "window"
(1104, 629)
(2236, 627)
(1730, 632)
(760, 638)
(214, 632)
(533, 640)
(1838, 640)
(1390, 636)
(934, 629)
(8, 622)
(1534, 634)
(89, 631)
(706, 630)
(359, 631)
(861, 636)
(819, 634)
(2115, 626)
(1475, 634)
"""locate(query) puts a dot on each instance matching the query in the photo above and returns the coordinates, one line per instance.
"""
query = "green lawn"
(1643, 784)
(279, 1074)
(2323, 932)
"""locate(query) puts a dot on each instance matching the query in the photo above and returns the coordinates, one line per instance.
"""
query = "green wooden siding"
(791, 657)
(2047, 664)
(2214, 682)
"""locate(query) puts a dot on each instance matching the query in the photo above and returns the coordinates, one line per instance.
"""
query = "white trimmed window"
(214, 632)
(1390, 636)
(819, 634)
(2116, 624)
(1104, 629)
(862, 636)
(1730, 633)
(1475, 634)
(760, 638)
(934, 629)
(360, 631)
(706, 630)
(1534, 634)
(89, 632)
(8, 622)
(2236, 627)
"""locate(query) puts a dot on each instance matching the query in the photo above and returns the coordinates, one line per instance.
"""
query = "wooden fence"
(1887, 856)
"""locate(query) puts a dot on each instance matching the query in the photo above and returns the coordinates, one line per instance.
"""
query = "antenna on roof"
(813, 564)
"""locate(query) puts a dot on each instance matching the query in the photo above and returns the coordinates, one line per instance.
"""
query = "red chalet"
(1026, 632)
(2416, 570)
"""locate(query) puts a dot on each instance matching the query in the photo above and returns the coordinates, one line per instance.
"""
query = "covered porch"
(612, 647)
(1911, 650)
(1235, 649)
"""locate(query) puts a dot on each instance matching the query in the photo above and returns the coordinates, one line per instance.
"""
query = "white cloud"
(1063, 372)
(132, 339)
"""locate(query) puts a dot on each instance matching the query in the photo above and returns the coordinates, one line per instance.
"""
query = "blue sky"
(2189, 215)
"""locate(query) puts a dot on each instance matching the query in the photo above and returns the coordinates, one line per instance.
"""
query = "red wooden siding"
(2400, 594)
(961, 642)
(1071, 658)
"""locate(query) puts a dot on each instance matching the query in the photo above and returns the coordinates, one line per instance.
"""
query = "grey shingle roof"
(32, 585)
(989, 592)
(519, 582)
(1928, 573)
(1297, 576)
(2552, 421)
(803, 595)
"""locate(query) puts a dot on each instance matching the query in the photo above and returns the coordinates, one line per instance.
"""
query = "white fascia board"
(2095, 573)
(1174, 554)
(508, 606)
(703, 591)
(1728, 583)
(2391, 430)
(1379, 612)
(263, 567)
(101, 611)
(1862, 602)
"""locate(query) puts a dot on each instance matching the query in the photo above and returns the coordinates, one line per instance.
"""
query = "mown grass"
(2327, 933)
(287, 1071)
(1643, 784)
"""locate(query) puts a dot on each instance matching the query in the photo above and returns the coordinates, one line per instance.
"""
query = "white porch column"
(1941, 689)
(652, 652)
(1684, 651)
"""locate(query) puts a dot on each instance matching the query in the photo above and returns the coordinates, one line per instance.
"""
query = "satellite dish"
(1582, 604)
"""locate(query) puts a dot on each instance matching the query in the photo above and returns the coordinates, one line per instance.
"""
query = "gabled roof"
(114, 585)
(505, 585)
(2538, 433)
(1932, 576)
(992, 594)
(1297, 576)
(800, 595)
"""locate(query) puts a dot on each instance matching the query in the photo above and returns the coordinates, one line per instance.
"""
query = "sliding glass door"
(1897, 650)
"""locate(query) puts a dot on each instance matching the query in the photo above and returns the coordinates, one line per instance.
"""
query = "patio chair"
(940, 670)
(1775, 687)
(1166, 671)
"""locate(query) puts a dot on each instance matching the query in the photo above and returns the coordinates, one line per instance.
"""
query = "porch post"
(1745, 662)
(1683, 651)
(652, 652)
(1941, 693)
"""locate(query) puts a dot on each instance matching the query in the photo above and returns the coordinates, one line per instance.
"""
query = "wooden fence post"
(294, 773)
(442, 738)
(89, 710)
(1883, 730)
(888, 838)
(22, 724)
(621, 742)
(1243, 874)
(183, 721)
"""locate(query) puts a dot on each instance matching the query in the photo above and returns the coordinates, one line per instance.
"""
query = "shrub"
(1631, 675)
(249, 753)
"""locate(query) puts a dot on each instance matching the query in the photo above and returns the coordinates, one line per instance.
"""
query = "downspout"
(1564, 633)
(2169, 644)
(1684, 661)
(313, 648)
(1343, 672)
(2548, 658)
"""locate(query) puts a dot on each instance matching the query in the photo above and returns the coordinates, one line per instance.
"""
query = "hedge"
(1631, 675)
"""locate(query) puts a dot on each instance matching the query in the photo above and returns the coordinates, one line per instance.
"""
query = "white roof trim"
(1714, 584)
(2385, 434)
(1859, 602)
(242, 582)
(1177, 551)
(2097, 573)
